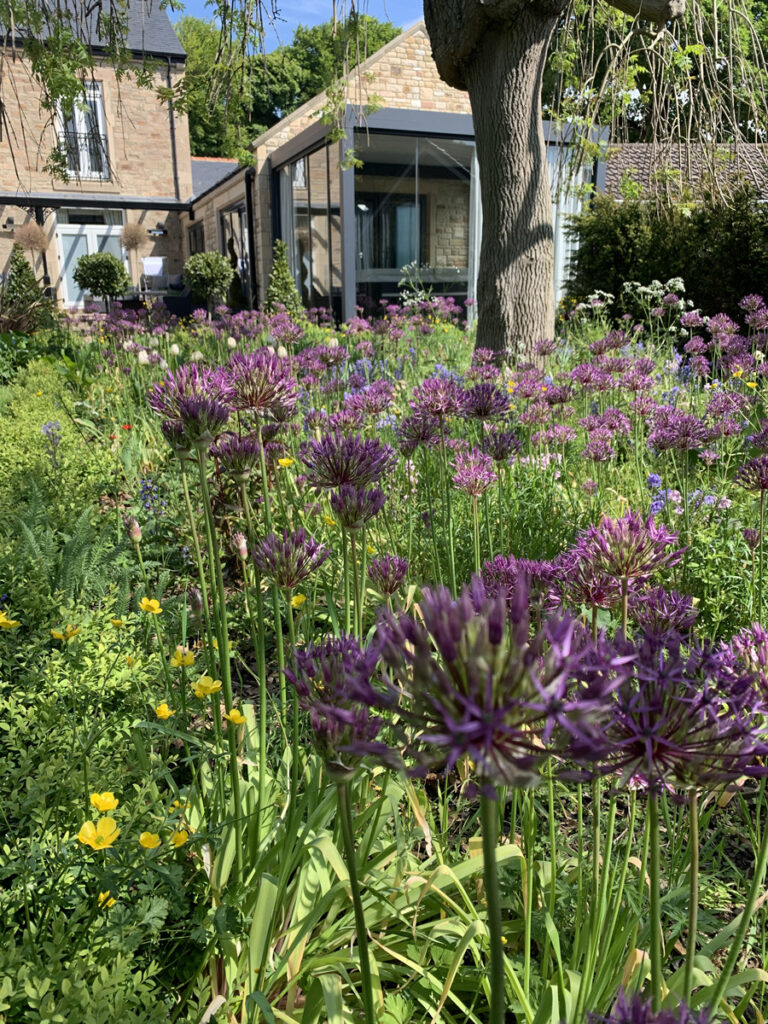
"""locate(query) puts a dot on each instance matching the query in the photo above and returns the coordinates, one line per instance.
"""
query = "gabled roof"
(665, 168)
(148, 28)
(208, 171)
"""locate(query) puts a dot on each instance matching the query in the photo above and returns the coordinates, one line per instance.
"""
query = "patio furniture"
(154, 276)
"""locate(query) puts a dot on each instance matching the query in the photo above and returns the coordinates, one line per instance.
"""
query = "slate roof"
(208, 171)
(149, 29)
(649, 166)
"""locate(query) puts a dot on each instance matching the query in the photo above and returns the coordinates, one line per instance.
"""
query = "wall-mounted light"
(157, 230)
(8, 223)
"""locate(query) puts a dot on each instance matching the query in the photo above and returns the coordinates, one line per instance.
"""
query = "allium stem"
(448, 517)
(476, 533)
(737, 942)
(295, 757)
(210, 657)
(693, 893)
(347, 602)
(222, 629)
(355, 584)
(655, 908)
(489, 821)
(348, 837)
(624, 604)
(760, 559)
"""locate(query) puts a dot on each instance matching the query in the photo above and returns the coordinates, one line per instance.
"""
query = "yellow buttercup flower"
(329, 521)
(751, 384)
(66, 635)
(179, 838)
(738, 373)
(99, 835)
(182, 656)
(215, 643)
(298, 600)
(38, 394)
(6, 623)
(150, 605)
(205, 686)
(117, 623)
(149, 840)
(130, 661)
(105, 900)
(104, 801)
(235, 717)
(163, 711)
(285, 463)
(370, 550)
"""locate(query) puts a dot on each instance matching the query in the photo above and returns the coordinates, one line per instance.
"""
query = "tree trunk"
(515, 289)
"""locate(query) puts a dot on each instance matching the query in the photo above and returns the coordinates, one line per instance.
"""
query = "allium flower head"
(629, 548)
(237, 455)
(260, 381)
(753, 475)
(675, 429)
(659, 612)
(191, 381)
(387, 573)
(353, 506)
(485, 402)
(439, 397)
(338, 459)
(331, 680)
(476, 684)
(417, 429)
(202, 419)
(499, 443)
(686, 716)
(474, 472)
(636, 1010)
(289, 560)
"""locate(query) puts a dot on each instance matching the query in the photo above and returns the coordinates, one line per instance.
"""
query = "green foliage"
(282, 290)
(231, 102)
(209, 275)
(719, 249)
(23, 306)
(102, 274)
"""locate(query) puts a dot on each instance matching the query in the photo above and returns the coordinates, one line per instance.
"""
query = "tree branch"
(651, 10)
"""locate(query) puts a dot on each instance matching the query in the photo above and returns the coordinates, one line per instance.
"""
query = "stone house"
(127, 158)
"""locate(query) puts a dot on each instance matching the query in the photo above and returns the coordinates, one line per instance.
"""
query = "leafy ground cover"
(347, 675)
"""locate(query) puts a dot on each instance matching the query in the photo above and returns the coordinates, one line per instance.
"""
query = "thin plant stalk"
(210, 657)
(655, 907)
(489, 822)
(693, 893)
(348, 837)
(295, 755)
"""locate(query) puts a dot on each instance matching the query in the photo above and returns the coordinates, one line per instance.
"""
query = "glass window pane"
(319, 228)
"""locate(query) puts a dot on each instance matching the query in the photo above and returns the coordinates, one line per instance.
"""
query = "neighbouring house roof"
(662, 168)
(97, 200)
(208, 171)
(148, 30)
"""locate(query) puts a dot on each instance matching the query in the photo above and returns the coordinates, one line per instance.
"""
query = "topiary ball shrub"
(282, 290)
(103, 275)
(209, 275)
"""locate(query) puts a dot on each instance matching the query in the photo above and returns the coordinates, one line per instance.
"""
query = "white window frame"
(91, 233)
(94, 92)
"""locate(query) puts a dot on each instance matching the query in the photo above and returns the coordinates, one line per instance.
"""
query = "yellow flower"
(298, 600)
(179, 838)
(370, 550)
(151, 605)
(117, 623)
(285, 463)
(130, 661)
(163, 711)
(205, 686)
(99, 835)
(38, 394)
(66, 635)
(149, 840)
(235, 717)
(104, 801)
(215, 643)
(329, 521)
(738, 373)
(105, 900)
(751, 384)
(182, 656)
(6, 623)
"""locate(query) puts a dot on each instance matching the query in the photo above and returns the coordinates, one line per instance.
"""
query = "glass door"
(84, 232)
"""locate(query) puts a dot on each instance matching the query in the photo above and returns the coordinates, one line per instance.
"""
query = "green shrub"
(23, 306)
(208, 275)
(281, 290)
(103, 275)
(720, 250)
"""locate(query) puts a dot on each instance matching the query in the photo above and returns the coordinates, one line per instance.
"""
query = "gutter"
(174, 155)
(253, 291)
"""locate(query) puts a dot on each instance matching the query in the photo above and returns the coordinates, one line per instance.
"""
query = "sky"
(312, 12)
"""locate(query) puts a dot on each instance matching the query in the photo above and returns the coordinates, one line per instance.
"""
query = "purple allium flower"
(611, 419)
(675, 429)
(599, 447)
(578, 583)
(338, 459)
(659, 612)
(545, 347)
(499, 443)
(485, 402)
(439, 397)
(192, 381)
(751, 538)
(750, 646)
(502, 574)
(474, 472)
(331, 679)
(636, 1010)
(237, 455)
(628, 548)
(709, 457)
(751, 303)
(346, 420)
(133, 529)
(590, 487)
(374, 399)
(202, 419)
(477, 684)
(686, 716)
(753, 475)
(240, 545)
(387, 573)
(356, 506)
(612, 340)
(261, 381)
(289, 560)
(419, 428)
(760, 439)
